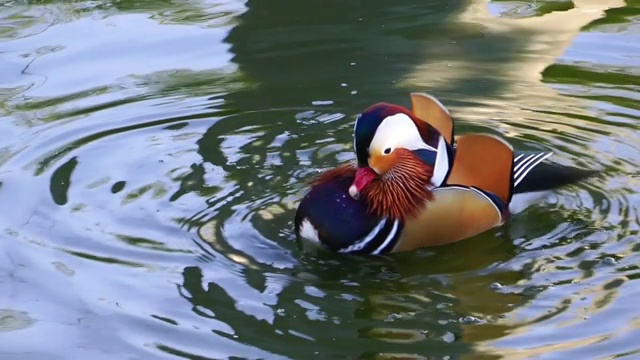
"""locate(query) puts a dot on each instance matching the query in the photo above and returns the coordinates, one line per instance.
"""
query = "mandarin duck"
(412, 185)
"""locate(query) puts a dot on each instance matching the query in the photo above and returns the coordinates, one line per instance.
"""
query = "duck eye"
(387, 151)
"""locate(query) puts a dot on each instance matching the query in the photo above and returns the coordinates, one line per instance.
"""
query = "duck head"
(400, 158)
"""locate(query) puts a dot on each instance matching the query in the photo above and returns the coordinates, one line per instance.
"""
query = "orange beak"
(364, 176)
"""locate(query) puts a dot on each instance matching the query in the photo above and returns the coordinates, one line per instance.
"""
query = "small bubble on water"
(63, 268)
(496, 286)
(344, 84)
(353, 92)
(322, 102)
(470, 320)
(609, 261)
(449, 337)
(393, 317)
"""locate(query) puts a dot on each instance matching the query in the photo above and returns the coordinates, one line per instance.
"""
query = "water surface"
(152, 154)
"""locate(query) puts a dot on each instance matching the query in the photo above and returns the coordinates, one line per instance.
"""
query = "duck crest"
(430, 110)
(370, 119)
(366, 126)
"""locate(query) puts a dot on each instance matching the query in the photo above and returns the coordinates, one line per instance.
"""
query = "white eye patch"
(397, 131)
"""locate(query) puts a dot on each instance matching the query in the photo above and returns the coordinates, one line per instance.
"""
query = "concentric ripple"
(153, 154)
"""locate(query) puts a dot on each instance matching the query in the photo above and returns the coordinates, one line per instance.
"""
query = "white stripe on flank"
(441, 167)
(524, 164)
(467, 188)
(528, 164)
(386, 242)
(307, 231)
(523, 161)
(525, 170)
(491, 201)
(359, 245)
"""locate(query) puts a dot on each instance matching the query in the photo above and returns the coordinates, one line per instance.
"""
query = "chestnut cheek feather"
(403, 191)
(383, 163)
(400, 193)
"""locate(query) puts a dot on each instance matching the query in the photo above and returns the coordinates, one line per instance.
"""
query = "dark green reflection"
(339, 325)
(568, 74)
(522, 9)
(298, 52)
(61, 181)
(621, 15)
(118, 186)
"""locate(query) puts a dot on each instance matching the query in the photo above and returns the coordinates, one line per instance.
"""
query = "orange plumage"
(344, 170)
(403, 191)
(400, 193)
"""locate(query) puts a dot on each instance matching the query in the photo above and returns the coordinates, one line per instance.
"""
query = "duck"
(414, 184)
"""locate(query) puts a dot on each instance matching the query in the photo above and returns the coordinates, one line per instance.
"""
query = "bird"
(414, 184)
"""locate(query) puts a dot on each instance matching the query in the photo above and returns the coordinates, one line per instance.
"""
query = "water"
(152, 155)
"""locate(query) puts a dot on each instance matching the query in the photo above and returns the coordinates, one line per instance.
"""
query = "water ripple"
(148, 183)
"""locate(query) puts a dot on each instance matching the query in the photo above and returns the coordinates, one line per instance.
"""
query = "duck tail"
(547, 176)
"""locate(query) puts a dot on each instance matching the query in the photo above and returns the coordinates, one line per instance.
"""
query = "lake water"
(152, 154)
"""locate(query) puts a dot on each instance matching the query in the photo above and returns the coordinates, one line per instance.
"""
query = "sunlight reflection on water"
(154, 155)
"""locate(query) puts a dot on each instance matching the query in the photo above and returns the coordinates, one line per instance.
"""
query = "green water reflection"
(153, 153)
